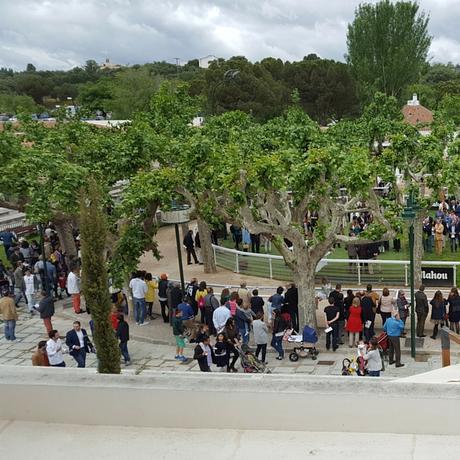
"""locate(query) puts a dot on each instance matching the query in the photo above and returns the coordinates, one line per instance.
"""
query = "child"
(220, 352)
(361, 351)
(114, 318)
(204, 355)
(260, 336)
(178, 331)
(62, 283)
(123, 335)
(203, 331)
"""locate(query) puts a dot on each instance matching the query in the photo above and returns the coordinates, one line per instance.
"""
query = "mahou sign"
(438, 276)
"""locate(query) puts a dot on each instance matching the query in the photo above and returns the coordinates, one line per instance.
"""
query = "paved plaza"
(152, 348)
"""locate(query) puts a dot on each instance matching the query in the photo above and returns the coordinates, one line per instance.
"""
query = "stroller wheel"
(294, 357)
(314, 358)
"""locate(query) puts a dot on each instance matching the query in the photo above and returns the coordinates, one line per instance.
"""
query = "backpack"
(201, 303)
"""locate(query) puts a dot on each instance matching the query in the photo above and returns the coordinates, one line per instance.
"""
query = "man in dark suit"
(190, 248)
(79, 344)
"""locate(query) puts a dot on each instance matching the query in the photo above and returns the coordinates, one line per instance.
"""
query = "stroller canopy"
(309, 335)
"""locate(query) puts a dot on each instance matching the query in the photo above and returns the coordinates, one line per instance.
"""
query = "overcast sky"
(61, 34)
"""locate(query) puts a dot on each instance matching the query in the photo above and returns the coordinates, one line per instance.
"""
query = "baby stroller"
(251, 365)
(307, 343)
(382, 340)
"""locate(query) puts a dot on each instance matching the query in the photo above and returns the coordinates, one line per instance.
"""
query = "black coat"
(176, 296)
(199, 355)
(338, 302)
(46, 307)
(291, 299)
(367, 306)
(123, 331)
(188, 241)
(72, 340)
(221, 354)
(162, 289)
(257, 304)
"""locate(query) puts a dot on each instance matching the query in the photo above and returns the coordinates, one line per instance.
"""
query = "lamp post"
(46, 280)
(409, 215)
(179, 214)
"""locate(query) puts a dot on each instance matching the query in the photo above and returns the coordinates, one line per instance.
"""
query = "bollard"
(444, 334)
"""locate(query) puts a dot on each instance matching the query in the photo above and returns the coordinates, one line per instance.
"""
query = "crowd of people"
(38, 282)
(443, 231)
(218, 324)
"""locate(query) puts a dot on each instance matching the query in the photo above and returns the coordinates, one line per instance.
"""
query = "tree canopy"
(387, 45)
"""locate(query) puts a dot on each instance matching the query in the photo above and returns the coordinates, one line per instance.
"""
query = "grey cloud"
(63, 33)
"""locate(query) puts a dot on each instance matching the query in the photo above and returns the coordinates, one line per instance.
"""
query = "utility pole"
(177, 66)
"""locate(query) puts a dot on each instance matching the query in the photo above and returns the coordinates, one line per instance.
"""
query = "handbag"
(378, 307)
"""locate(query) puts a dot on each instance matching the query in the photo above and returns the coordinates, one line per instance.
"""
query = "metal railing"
(345, 271)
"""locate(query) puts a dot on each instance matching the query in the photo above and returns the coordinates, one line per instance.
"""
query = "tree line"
(387, 49)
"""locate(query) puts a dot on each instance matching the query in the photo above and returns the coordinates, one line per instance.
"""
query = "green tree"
(450, 106)
(15, 104)
(290, 159)
(387, 46)
(325, 87)
(94, 277)
(422, 163)
(44, 168)
(91, 68)
(96, 96)
(131, 91)
(32, 84)
(237, 84)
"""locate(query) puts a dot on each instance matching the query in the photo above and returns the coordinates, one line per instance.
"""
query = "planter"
(179, 216)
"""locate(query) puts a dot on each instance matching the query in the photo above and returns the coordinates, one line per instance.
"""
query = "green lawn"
(336, 272)
(341, 253)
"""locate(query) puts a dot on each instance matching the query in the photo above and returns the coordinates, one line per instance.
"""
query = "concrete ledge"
(244, 402)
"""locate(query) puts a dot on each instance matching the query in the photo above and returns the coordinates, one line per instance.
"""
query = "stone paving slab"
(160, 355)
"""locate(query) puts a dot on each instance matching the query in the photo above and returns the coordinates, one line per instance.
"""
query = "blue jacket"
(187, 311)
(277, 301)
(393, 327)
(242, 320)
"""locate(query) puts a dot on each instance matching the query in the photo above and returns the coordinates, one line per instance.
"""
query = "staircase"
(14, 220)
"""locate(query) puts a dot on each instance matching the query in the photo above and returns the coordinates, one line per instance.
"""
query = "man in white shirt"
(138, 290)
(73, 288)
(31, 288)
(54, 349)
(220, 317)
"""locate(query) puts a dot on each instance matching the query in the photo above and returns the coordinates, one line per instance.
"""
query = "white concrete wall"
(245, 402)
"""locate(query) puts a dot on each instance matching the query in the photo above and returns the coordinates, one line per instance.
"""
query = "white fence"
(345, 271)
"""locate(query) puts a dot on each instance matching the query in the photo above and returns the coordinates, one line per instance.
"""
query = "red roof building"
(415, 114)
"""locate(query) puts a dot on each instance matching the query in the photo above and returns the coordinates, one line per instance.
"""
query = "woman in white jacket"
(373, 358)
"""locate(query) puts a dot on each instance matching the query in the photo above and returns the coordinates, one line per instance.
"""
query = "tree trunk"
(207, 253)
(64, 232)
(305, 282)
(418, 249)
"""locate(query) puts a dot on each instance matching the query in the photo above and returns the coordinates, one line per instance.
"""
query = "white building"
(205, 61)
